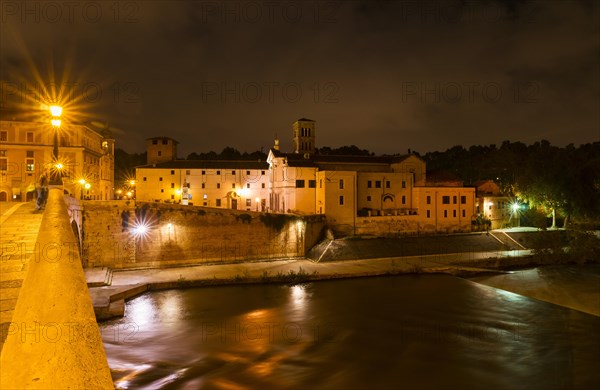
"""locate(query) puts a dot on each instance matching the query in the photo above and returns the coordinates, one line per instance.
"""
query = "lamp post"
(56, 112)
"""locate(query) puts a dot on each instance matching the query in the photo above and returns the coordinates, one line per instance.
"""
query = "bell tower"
(304, 136)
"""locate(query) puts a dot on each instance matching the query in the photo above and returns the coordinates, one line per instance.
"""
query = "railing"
(53, 340)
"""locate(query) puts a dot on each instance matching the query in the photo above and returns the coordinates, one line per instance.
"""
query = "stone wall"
(187, 235)
(401, 225)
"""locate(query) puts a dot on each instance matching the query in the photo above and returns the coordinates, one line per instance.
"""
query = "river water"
(413, 331)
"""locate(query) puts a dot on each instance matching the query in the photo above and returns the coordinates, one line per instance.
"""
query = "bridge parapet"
(53, 340)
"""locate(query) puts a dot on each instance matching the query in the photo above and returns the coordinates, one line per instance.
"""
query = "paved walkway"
(19, 227)
(109, 300)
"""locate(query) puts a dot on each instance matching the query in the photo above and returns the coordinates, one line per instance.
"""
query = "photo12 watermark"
(70, 12)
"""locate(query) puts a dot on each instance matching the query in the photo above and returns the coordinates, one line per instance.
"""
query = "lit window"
(30, 166)
(248, 202)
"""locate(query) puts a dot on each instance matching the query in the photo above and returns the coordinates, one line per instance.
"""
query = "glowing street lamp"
(56, 112)
(515, 207)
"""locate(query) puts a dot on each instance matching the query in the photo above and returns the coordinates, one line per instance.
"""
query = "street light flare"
(56, 111)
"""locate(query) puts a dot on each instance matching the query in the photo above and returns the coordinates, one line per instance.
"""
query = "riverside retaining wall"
(113, 235)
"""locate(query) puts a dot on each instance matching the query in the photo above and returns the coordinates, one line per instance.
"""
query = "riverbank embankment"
(465, 255)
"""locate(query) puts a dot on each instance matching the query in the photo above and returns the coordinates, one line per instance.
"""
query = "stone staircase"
(98, 277)
(508, 242)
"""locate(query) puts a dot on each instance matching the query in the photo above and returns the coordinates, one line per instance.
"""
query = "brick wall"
(187, 235)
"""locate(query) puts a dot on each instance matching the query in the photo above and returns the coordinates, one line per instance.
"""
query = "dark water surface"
(429, 331)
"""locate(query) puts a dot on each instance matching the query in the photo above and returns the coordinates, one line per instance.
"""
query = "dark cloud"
(383, 75)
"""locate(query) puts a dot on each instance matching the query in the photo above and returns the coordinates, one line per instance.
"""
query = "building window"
(187, 172)
(464, 213)
(29, 153)
(445, 213)
(218, 185)
(233, 173)
(454, 199)
(172, 196)
(218, 202)
(262, 173)
(233, 185)
(204, 172)
(312, 184)
(218, 172)
(248, 185)
(463, 200)
(368, 198)
(2, 153)
(403, 184)
(172, 172)
(320, 183)
(247, 173)
(454, 213)
(159, 153)
(388, 184)
(248, 202)
(341, 184)
(144, 178)
(165, 142)
(162, 190)
(262, 185)
(428, 213)
(445, 200)
(341, 200)
(428, 199)
(369, 184)
(160, 179)
(299, 183)
(403, 199)
(172, 185)
(3, 164)
(203, 185)
(29, 165)
(154, 142)
(3, 135)
(377, 183)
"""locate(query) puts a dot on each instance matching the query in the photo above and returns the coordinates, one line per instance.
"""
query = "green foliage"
(565, 180)
(351, 150)
(228, 153)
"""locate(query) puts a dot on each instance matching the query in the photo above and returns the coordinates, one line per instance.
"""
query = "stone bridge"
(51, 338)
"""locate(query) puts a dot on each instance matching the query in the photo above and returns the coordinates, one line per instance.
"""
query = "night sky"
(383, 75)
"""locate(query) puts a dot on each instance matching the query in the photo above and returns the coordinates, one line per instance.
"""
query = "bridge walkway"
(19, 228)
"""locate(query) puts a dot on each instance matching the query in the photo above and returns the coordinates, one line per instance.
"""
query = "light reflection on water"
(397, 332)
